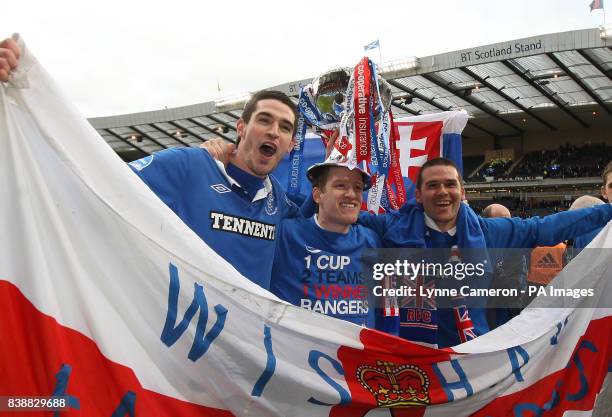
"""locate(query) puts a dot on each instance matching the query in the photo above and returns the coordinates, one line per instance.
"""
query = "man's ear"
(316, 194)
(292, 144)
(417, 195)
(240, 128)
(603, 193)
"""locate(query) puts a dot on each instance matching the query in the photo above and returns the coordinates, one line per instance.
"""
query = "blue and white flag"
(372, 45)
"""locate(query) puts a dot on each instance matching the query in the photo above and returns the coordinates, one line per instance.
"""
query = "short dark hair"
(319, 176)
(249, 107)
(436, 162)
(607, 170)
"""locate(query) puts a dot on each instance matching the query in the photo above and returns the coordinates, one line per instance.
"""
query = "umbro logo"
(220, 188)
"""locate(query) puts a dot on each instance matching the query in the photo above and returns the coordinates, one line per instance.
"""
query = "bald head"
(585, 201)
(496, 210)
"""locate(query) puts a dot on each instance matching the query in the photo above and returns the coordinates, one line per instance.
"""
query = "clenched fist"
(9, 58)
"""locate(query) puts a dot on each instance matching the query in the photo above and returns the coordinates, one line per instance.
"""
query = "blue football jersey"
(321, 270)
(217, 209)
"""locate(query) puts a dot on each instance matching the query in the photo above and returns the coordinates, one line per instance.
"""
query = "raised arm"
(545, 231)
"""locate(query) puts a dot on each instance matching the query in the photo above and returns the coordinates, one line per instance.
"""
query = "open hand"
(220, 149)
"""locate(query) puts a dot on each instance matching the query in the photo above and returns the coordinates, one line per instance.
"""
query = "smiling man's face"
(441, 193)
(265, 138)
(339, 199)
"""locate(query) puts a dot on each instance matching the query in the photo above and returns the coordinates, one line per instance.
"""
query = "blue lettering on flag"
(555, 339)
(516, 368)
(313, 361)
(536, 410)
(61, 384)
(171, 332)
(270, 364)
(463, 382)
(126, 405)
(584, 383)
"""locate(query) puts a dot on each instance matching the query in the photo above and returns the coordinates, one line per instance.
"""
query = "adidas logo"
(547, 261)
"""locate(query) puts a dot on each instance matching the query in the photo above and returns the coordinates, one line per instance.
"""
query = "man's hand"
(9, 58)
(330, 143)
(220, 149)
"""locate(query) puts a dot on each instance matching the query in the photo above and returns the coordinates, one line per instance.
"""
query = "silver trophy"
(329, 94)
(329, 91)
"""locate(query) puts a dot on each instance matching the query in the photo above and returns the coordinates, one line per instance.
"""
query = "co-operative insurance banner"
(110, 304)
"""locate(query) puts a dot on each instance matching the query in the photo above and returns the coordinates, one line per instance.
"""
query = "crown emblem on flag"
(395, 386)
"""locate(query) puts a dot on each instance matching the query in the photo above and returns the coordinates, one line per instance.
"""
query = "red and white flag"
(109, 301)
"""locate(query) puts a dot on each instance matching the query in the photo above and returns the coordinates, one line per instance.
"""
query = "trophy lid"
(329, 89)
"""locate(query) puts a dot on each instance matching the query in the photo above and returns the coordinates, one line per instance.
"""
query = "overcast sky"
(116, 57)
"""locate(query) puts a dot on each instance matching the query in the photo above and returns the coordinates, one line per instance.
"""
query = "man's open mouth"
(268, 149)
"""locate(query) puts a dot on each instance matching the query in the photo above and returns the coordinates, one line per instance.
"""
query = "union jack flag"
(464, 324)
(418, 300)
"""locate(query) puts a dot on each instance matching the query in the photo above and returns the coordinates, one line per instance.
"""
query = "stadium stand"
(569, 161)
(471, 163)
(539, 109)
(492, 170)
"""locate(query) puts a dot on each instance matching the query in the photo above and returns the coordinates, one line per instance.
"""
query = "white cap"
(312, 171)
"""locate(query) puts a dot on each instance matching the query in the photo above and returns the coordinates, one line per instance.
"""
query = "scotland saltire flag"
(372, 45)
(108, 301)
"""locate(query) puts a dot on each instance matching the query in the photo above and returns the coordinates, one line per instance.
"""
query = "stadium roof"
(550, 82)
